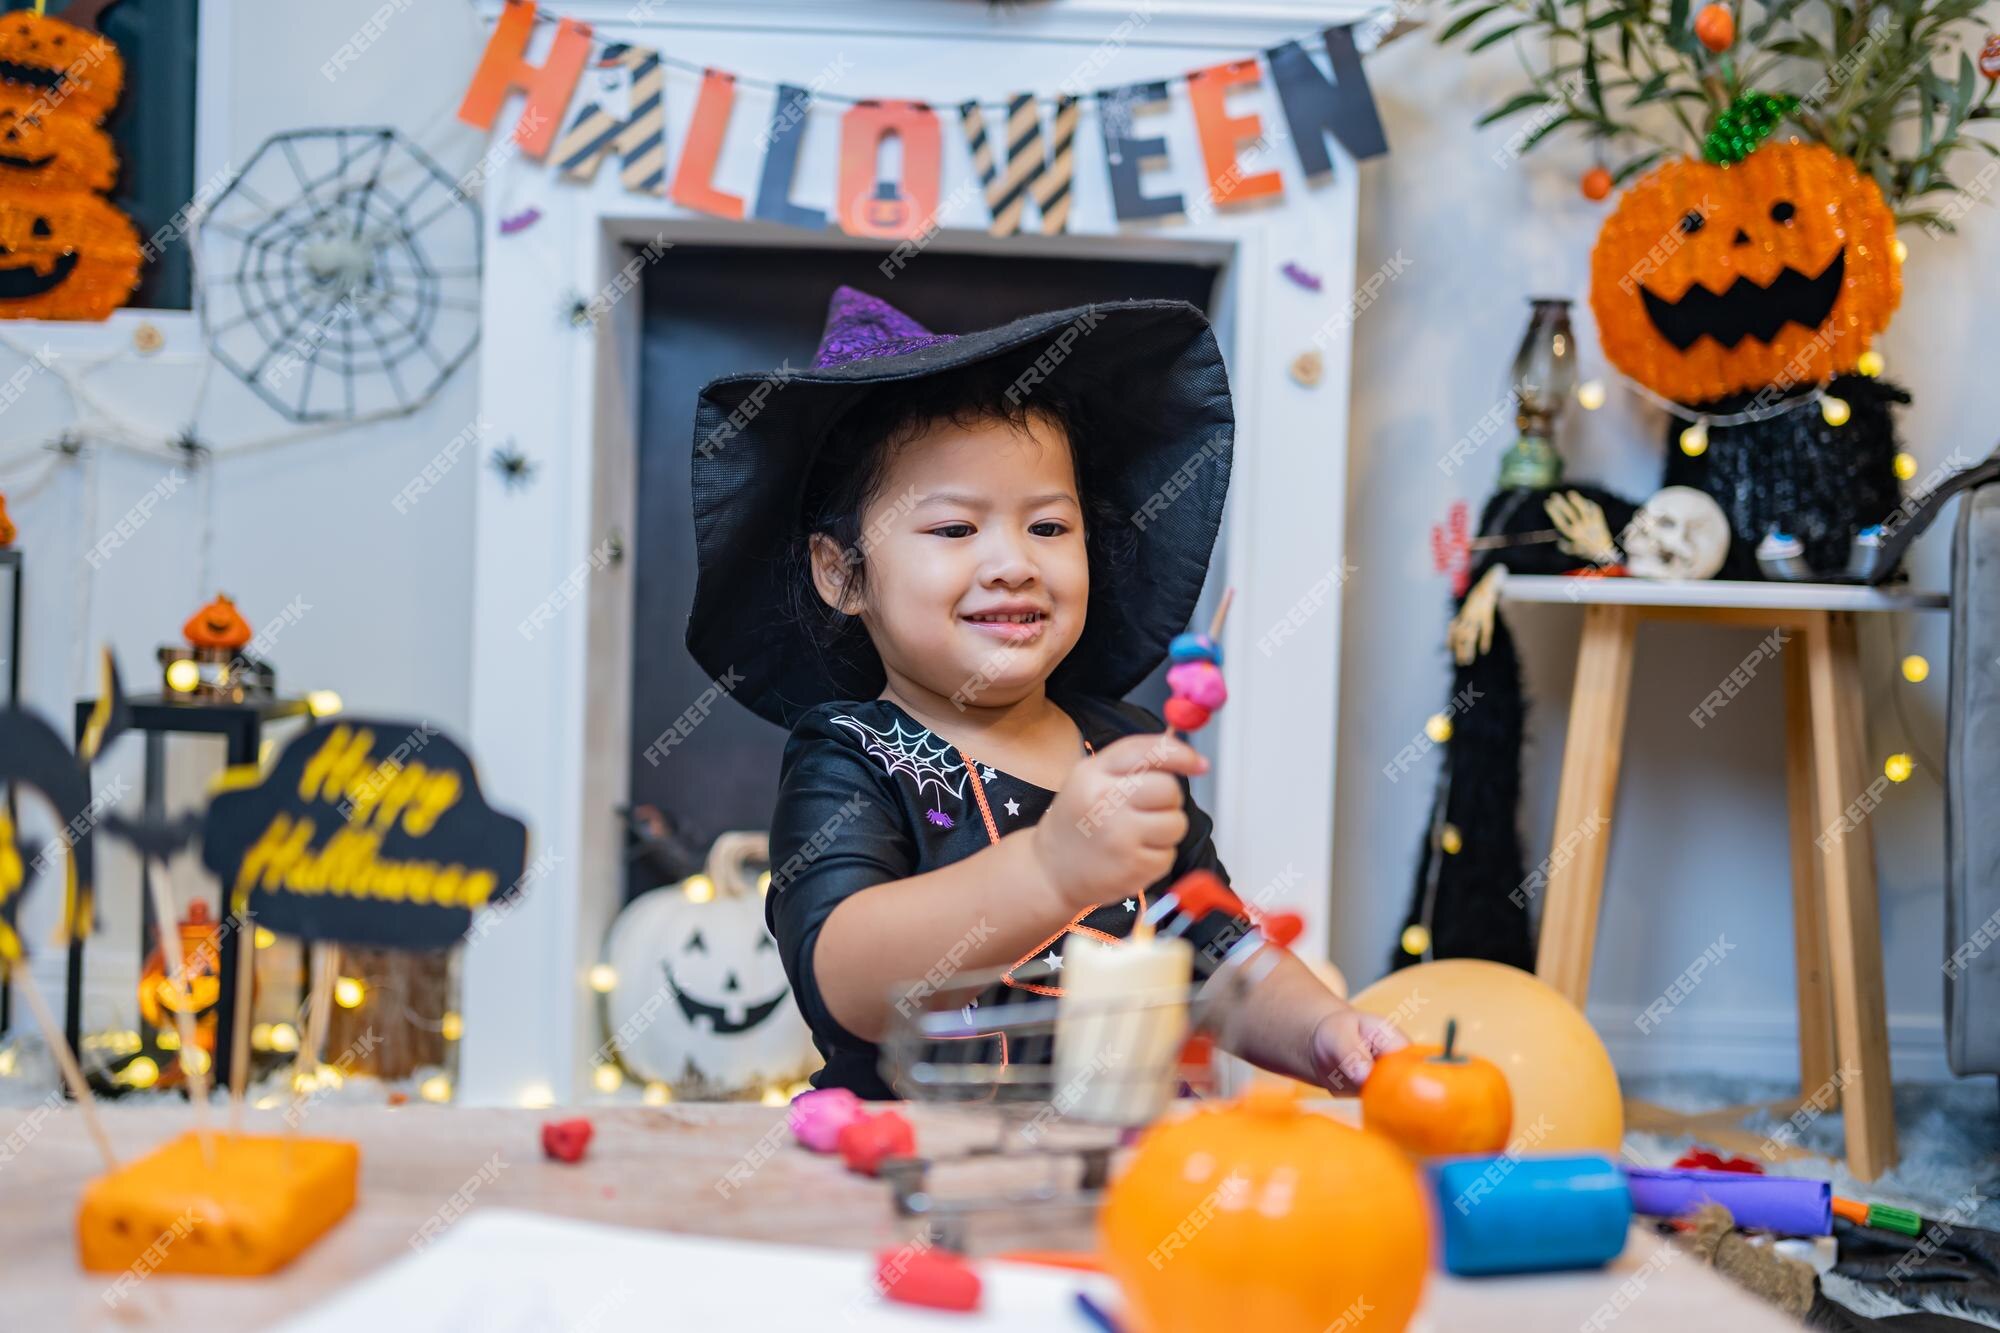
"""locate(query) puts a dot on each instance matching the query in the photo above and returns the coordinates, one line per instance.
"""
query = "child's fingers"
(1151, 750)
(1161, 830)
(1151, 791)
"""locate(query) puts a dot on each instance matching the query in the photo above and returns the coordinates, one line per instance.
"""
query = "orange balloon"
(1565, 1090)
(1436, 1101)
(1260, 1215)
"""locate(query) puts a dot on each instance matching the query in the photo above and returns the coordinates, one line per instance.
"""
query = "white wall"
(1700, 846)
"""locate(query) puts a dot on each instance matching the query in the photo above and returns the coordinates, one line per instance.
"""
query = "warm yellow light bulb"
(657, 1094)
(1900, 250)
(1906, 467)
(1416, 939)
(323, 703)
(1916, 669)
(195, 1060)
(260, 1037)
(1694, 440)
(142, 1072)
(607, 1078)
(1590, 395)
(349, 992)
(1869, 363)
(538, 1095)
(284, 1037)
(1451, 840)
(1835, 410)
(699, 888)
(167, 1039)
(264, 937)
(183, 675)
(436, 1088)
(1898, 767)
(603, 978)
(453, 1027)
(1438, 728)
(775, 1097)
(764, 882)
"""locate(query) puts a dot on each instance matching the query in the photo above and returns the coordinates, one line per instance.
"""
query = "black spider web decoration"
(340, 274)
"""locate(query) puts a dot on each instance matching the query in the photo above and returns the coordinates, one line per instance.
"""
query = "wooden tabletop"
(1571, 590)
(717, 1170)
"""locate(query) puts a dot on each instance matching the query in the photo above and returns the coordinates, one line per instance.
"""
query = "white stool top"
(1748, 594)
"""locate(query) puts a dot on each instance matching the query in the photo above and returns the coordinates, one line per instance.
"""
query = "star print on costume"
(986, 773)
(1131, 906)
(1054, 960)
(1013, 806)
(920, 754)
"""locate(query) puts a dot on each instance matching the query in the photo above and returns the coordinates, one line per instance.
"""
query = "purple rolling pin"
(1787, 1204)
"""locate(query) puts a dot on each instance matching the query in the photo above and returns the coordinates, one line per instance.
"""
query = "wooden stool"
(1843, 1027)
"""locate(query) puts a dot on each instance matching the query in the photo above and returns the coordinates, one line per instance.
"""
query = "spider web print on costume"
(920, 754)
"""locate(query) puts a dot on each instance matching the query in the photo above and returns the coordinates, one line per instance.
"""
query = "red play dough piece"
(1200, 892)
(565, 1140)
(866, 1143)
(1185, 715)
(1281, 928)
(933, 1278)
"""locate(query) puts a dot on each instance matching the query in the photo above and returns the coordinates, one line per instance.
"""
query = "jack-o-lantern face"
(52, 151)
(64, 256)
(217, 625)
(1776, 270)
(701, 1001)
(59, 65)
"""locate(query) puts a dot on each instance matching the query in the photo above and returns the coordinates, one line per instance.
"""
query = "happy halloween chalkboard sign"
(366, 832)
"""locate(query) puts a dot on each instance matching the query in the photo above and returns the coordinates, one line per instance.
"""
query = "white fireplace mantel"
(550, 704)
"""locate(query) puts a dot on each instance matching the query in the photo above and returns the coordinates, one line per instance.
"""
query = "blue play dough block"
(1194, 648)
(1501, 1214)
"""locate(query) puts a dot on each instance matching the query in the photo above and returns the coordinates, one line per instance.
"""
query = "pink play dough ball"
(818, 1117)
(1198, 682)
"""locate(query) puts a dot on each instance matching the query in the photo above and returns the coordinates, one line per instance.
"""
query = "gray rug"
(1948, 1168)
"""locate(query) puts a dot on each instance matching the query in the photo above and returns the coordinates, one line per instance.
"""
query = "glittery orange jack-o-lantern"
(217, 625)
(60, 65)
(1714, 279)
(52, 151)
(65, 255)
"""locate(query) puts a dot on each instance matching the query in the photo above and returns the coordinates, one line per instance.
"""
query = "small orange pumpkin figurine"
(1261, 1215)
(7, 531)
(61, 62)
(1760, 265)
(218, 625)
(1436, 1101)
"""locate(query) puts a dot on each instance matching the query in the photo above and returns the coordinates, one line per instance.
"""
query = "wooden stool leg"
(1808, 908)
(1584, 802)
(1845, 797)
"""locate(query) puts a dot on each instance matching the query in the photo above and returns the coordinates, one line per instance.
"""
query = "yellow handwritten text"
(345, 772)
(283, 860)
(11, 879)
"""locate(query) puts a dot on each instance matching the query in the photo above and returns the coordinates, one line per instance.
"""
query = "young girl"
(942, 561)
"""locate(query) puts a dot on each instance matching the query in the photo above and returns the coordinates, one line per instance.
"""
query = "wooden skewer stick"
(239, 1042)
(72, 1072)
(174, 962)
(323, 968)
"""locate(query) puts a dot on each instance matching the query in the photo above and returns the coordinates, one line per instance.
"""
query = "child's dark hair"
(847, 476)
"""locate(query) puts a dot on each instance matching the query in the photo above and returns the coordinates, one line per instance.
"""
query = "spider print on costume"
(938, 817)
(928, 760)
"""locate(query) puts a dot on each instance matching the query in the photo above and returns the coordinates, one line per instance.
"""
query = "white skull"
(1681, 533)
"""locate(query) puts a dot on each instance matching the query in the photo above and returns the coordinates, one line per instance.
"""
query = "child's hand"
(1114, 827)
(1344, 1047)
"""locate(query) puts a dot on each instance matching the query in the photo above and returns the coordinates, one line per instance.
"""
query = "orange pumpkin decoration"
(7, 529)
(217, 625)
(67, 255)
(60, 65)
(52, 151)
(1710, 280)
(1437, 1101)
(1260, 1215)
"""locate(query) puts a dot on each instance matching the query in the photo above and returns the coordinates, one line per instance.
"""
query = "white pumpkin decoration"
(700, 1001)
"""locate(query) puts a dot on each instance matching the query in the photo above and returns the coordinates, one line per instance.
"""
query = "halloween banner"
(366, 832)
(1023, 157)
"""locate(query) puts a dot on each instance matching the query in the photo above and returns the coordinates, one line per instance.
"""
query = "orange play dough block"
(263, 1200)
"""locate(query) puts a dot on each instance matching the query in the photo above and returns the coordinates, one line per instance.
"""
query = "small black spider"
(516, 469)
(190, 448)
(69, 444)
(577, 312)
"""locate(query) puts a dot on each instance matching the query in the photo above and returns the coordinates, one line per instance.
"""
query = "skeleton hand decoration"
(1585, 534)
(1471, 630)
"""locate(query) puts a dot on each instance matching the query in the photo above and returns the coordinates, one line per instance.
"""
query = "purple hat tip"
(860, 326)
